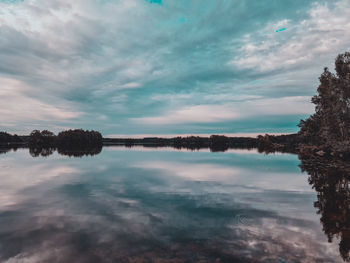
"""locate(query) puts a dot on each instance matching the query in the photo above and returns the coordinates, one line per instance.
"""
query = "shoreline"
(288, 143)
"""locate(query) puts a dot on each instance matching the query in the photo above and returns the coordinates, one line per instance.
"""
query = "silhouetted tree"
(265, 144)
(42, 139)
(219, 143)
(331, 122)
(78, 143)
(35, 138)
(79, 139)
(6, 138)
(129, 142)
(190, 142)
(71, 142)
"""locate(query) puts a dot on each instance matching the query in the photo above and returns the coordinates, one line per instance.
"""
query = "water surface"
(159, 205)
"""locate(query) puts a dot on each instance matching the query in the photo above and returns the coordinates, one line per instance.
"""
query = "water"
(159, 205)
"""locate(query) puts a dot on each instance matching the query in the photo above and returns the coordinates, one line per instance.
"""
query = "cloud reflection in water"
(135, 206)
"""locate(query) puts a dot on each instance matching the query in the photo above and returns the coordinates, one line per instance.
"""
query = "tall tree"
(331, 121)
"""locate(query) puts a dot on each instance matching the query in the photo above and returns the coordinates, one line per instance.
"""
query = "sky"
(164, 67)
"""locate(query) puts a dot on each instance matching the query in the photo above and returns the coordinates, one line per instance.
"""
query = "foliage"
(71, 142)
(79, 139)
(8, 138)
(219, 143)
(331, 121)
(44, 138)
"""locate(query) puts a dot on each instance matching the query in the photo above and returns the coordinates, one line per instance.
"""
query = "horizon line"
(140, 136)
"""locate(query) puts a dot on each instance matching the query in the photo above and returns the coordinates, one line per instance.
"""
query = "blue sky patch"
(281, 29)
(11, 1)
(159, 2)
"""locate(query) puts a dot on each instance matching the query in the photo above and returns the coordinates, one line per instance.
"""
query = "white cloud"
(296, 105)
(17, 106)
(80, 44)
(193, 114)
(319, 38)
(131, 85)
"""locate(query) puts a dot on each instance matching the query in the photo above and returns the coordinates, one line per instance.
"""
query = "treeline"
(288, 143)
(214, 142)
(80, 142)
(70, 142)
(46, 142)
(65, 139)
(75, 143)
(6, 138)
(267, 143)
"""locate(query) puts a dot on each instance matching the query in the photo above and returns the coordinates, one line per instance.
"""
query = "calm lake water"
(159, 205)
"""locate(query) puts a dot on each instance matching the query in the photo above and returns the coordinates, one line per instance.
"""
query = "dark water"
(160, 205)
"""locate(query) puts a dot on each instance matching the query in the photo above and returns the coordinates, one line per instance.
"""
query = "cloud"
(218, 113)
(17, 106)
(232, 175)
(196, 172)
(324, 34)
(174, 61)
(61, 204)
(192, 114)
(22, 178)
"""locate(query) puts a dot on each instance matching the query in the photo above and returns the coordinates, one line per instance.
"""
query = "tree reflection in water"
(71, 152)
(88, 151)
(39, 151)
(331, 180)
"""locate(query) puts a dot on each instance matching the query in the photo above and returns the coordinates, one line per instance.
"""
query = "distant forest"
(65, 139)
(78, 141)
(71, 142)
